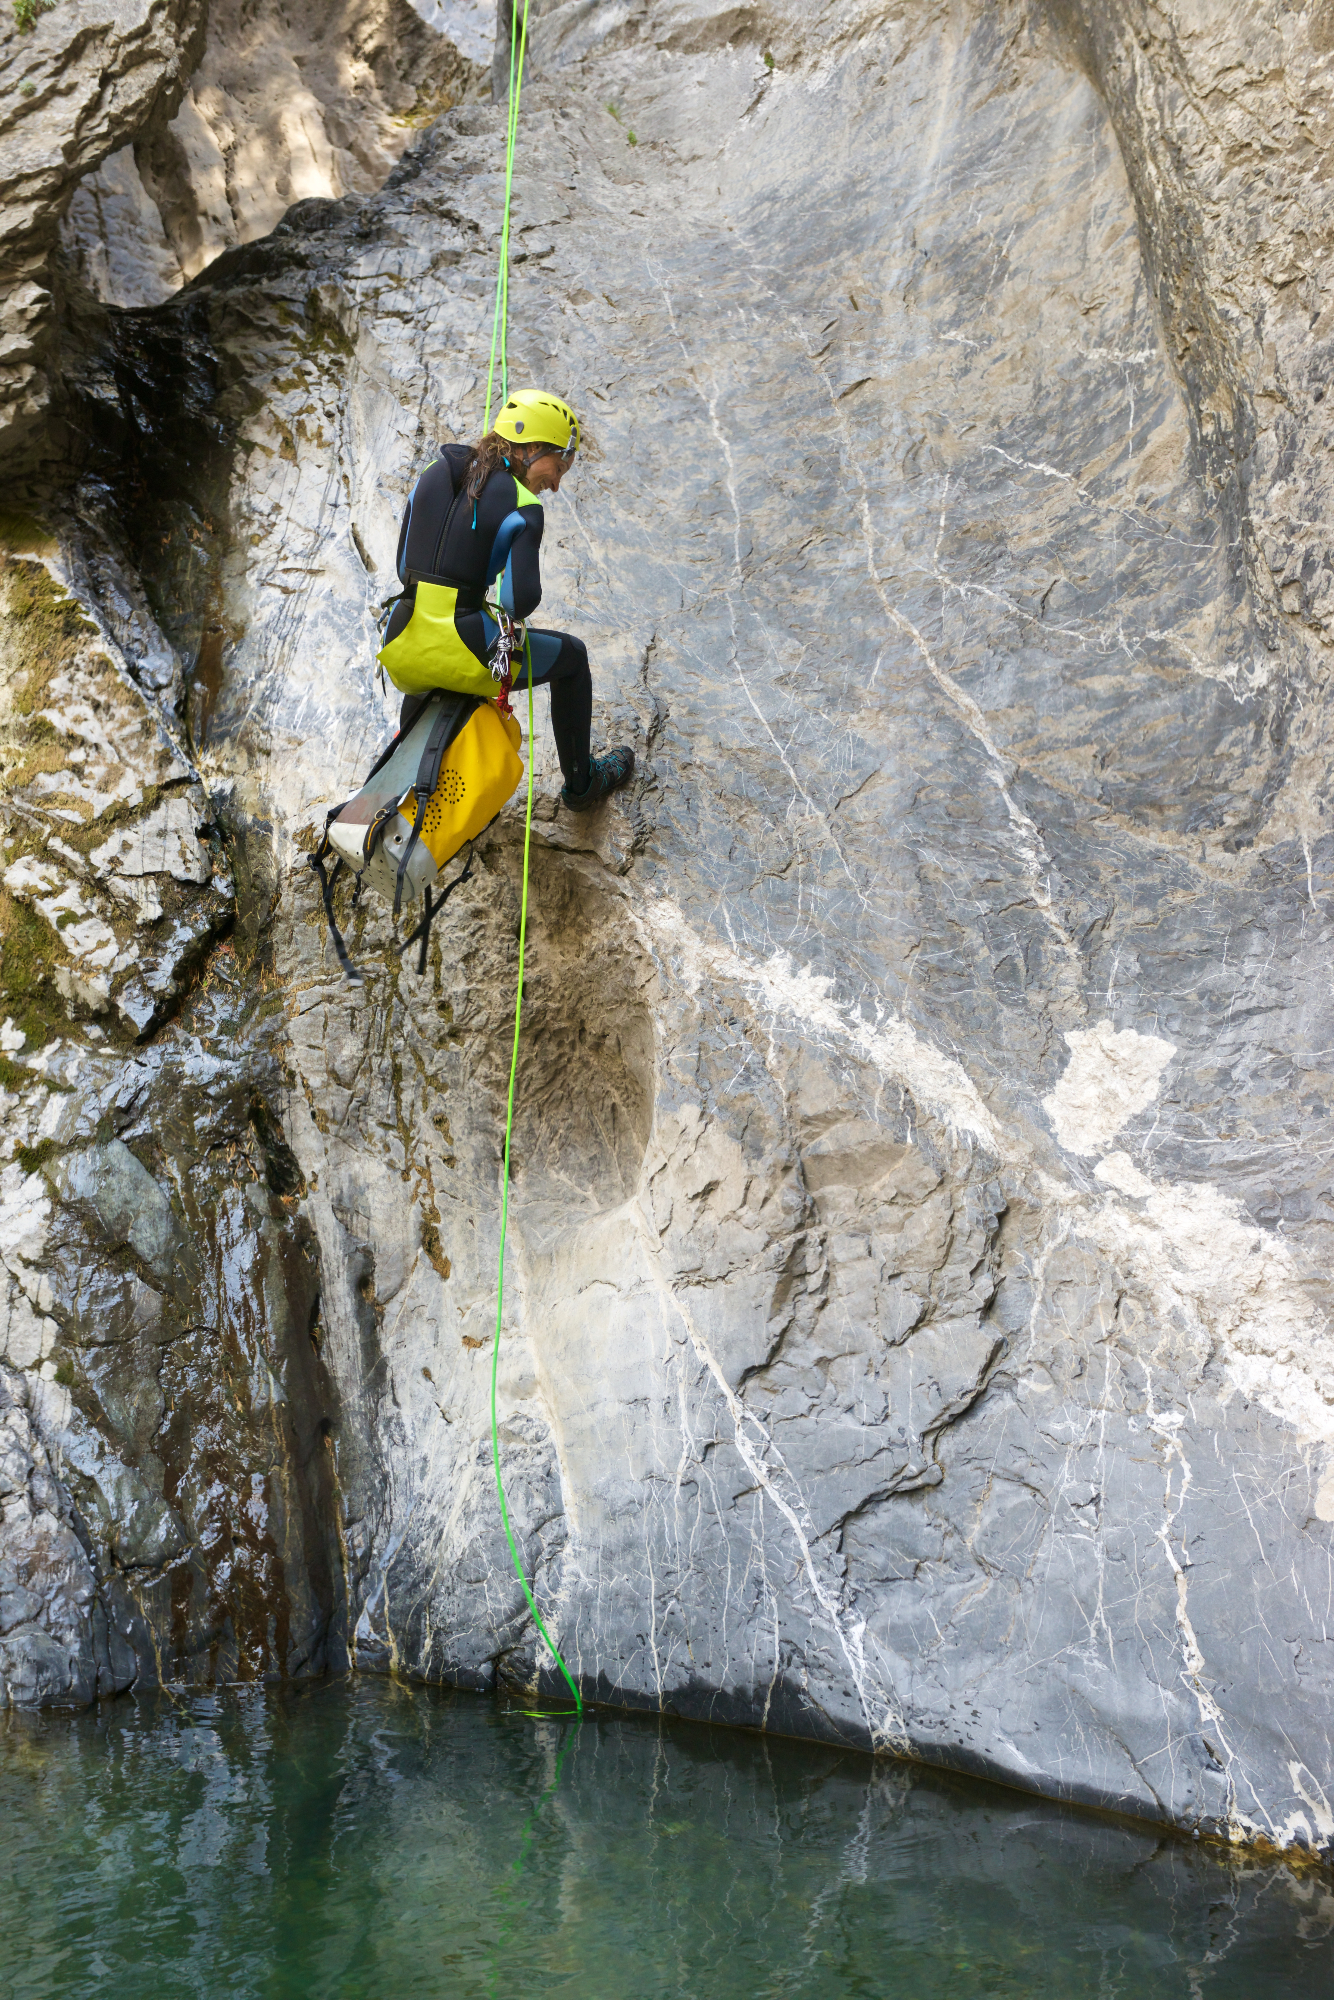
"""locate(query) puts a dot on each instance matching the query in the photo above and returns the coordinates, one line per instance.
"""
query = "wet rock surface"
(169, 1512)
(916, 1328)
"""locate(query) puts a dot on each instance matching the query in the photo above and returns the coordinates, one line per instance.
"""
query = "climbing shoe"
(605, 775)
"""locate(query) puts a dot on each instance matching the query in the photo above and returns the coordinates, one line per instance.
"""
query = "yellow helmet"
(532, 417)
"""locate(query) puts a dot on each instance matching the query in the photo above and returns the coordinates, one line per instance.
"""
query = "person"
(474, 520)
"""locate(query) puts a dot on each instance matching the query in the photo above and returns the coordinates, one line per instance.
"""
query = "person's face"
(545, 473)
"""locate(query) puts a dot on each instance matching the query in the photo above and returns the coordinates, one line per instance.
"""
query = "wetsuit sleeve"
(521, 585)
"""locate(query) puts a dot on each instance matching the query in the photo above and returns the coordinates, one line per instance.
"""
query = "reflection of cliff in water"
(634, 1856)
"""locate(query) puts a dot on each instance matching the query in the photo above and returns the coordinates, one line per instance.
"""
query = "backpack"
(432, 791)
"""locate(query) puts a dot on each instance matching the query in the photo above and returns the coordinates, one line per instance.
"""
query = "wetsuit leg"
(571, 706)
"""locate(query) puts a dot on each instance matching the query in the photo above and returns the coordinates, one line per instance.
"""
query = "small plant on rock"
(26, 12)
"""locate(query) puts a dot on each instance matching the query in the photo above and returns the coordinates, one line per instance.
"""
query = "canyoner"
(455, 641)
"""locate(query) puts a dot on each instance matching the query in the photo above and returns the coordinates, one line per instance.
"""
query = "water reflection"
(361, 1839)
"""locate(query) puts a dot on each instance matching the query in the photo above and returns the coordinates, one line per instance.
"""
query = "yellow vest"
(429, 652)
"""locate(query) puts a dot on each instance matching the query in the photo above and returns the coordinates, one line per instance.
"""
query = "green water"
(362, 1839)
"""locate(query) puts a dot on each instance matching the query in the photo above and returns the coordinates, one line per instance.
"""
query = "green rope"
(499, 341)
(505, 1212)
(500, 317)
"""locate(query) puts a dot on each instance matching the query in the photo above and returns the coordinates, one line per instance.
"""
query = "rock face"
(916, 1324)
(287, 104)
(169, 1503)
(49, 1650)
(146, 136)
(77, 81)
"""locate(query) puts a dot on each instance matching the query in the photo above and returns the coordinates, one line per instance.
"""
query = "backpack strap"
(326, 890)
(423, 930)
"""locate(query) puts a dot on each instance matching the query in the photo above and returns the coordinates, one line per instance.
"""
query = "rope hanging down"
(500, 317)
(498, 331)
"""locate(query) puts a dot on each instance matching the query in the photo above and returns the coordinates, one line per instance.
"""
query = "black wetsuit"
(469, 544)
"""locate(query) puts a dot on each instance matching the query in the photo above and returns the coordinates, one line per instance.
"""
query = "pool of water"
(358, 1838)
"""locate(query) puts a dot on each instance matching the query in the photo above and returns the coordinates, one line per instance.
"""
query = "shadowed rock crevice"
(139, 148)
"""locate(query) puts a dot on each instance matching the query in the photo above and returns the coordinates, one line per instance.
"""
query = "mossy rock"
(29, 954)
(24, 535)
(41, 629)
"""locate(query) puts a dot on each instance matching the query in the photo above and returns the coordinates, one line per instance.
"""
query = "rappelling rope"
(500, 317)
(498, 339)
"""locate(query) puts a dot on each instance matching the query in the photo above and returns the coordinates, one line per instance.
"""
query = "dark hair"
(487, 457)
(491, 454)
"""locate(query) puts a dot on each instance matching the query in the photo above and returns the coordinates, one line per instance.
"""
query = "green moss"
(29, 954)
(33, 1158)
(39, 1022)
(83, 839)
(13, 1076)
(24, 535)
(324, 330)
(45, 757)
(430, 105)
(26, 12)
(44, 629)
(29, 949)
(65, 1374)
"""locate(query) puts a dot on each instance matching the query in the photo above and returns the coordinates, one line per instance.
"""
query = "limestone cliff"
(72, 90)
(918, 1329)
